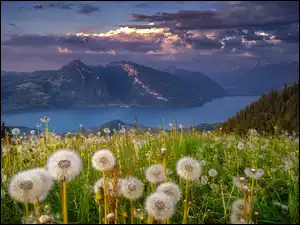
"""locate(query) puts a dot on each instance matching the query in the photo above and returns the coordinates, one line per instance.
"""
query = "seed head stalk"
(131, 212)
(64, 202)
(26, 208)
(105, 198)
(37, 210)
(186, 203)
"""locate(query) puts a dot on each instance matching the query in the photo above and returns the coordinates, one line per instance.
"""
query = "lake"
(69, 119)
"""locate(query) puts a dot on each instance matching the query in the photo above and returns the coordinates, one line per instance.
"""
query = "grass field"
(210, 197)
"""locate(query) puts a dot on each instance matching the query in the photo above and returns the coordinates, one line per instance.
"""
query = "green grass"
(210, 203)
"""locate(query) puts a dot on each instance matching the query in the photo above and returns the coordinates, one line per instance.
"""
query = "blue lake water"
(67, 120)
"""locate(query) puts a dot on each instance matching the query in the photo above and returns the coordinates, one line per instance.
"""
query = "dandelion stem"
(186, 203)
(26, 208)
(116, 211)
(165, 169)
(37, 210)
(105, 198)
(131, 212)
(251, 197)
(100, 214)
(64, 202)
(245, 205)
(149, 220)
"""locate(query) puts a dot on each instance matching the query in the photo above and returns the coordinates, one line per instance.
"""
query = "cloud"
(241, 14)
(87, 9)
(63, 50)
(81, 8)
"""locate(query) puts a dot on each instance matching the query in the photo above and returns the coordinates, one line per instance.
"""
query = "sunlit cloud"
(63, 50)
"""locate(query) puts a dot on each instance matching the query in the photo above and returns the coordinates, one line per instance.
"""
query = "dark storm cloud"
(243, 14)
(87, 9)
(204, 43)
(81, 8)
(73, 42)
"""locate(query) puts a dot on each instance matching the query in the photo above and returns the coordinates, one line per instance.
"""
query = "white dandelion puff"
(204, 180)
(103, 160)
(32, 132)
(26, 186)
(188, 168)
(258, 174)
(155, 173)
(64, 165)
(240, 146)
(38, 125)
(15, 131)
(106, 130)
(212, 173)
(45, 119)
(170, 189)
(132, 188)
(238, 206)
(163, 149)
(159, 206)
(46, 179)
(237, 218)
(45, 219)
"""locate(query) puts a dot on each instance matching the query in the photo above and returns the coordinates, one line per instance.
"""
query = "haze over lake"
(67, 120)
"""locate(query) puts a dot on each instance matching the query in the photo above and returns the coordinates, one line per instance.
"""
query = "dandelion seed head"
(170, 189)
(15, 131)
(238, 206)
(26, 186)
(203, 180)
(46, 180)
(103, 160)
(155, 173)
(132, 188)
(258, 174)
(240, 146)
(212, 173)
(188, 168)
(159, 206)
(106, 130)
(45, 219)
(64, 165)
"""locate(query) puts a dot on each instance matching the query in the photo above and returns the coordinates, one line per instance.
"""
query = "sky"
(210, 37)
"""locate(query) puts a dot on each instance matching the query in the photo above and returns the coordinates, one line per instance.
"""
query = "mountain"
(116, 84)
(200, 81)
(260, 79)
(275, 109)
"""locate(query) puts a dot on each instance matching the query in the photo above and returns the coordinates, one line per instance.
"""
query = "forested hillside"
(275, 110)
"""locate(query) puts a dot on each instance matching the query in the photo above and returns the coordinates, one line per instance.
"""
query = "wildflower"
(240, 146)
(46, 178)
(44, 219)
(64, 165)
(155, 173)
(32, 132)
(159, 206)
(212, 173)
(238, 206)
(239, 182)
(26, 186)
(237, 218)
(15, 131)
(188, 168)
(180, 126)
(163, 149)
(132, 188)
(170, 189)
(202, 162)
(103, 160)
(258, 174)
(171, 124)
(203, 180)
(45, 119)
(106, 130)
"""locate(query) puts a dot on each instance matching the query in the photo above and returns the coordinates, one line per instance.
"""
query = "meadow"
(215, 177)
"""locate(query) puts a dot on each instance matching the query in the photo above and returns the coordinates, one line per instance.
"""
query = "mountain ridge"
(118, 83)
